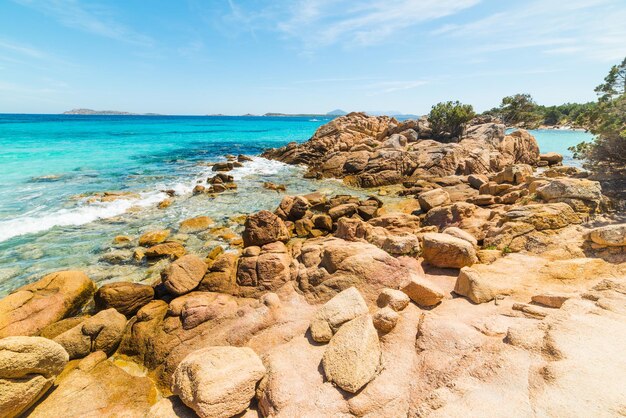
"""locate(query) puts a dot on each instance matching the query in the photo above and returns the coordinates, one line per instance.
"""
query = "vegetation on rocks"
(341, 305)
(448, 119)
(607, 121)
(521, 110)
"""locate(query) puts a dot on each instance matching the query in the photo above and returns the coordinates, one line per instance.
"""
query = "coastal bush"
(607, 121)
(448, 119)
(521, 110)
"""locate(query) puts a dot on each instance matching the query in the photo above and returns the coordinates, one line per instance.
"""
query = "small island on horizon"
(91, 112)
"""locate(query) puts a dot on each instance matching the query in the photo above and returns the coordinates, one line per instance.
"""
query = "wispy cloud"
(93, 18)
(318, 23)
(21, 49)
(594, 29)
(386, 87)
(28, 55)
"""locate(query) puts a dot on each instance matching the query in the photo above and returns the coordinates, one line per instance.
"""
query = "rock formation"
(476, 285)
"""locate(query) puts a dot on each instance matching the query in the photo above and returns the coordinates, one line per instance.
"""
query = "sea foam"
(83, 214)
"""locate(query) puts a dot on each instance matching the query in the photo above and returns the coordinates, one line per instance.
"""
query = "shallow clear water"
(556, 140)
(49, 164)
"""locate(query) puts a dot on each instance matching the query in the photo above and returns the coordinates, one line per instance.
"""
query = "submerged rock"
(154, 237)
(171, 250)
(197, 224)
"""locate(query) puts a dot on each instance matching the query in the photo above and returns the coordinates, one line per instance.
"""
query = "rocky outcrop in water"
(484, 287)
(371, 151)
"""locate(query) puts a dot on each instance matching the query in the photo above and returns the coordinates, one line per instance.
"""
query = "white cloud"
(92, 18)
(21, 49)
(594, 29)
(318, 23)
(386, 87)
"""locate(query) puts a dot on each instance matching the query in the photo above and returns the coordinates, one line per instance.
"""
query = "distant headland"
(92, 112)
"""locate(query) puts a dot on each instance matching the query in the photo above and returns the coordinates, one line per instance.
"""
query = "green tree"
(614, 84)
(552, 115)
(448, 119)
(607, 121)
(520, 109)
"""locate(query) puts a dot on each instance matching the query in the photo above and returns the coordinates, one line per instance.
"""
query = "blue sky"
(257, 56)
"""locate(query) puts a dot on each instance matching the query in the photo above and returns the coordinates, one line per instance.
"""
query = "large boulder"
(581, 194)
(551, 158)
(518, 147)
(327, 266)
(423, 291)
(459, 233)
(126, 297)
(342, 308)
(609, 236)
(446, 251)
(469, 217)
(263, 228)
(31, 308)
(396, 222)
(293, 208)
(28, 367)
(196, 308)
(184, 275)
(218, 382)
(433, 198)
(543, 216)
(514, 174)
(101, 332)
(266, 268)
(471, 284)
(222, 276)
(96, 387)
(352, 357)
(567, 188)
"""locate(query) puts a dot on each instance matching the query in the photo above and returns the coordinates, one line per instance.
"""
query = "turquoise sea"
(50, 164)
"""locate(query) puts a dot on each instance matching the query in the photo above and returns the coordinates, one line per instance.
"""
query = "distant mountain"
(337, 112)
(104, 112)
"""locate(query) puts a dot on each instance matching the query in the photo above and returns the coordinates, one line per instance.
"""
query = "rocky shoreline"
(495, 285)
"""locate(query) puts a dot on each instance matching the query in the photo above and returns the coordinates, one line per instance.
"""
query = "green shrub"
(448, 119)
